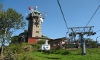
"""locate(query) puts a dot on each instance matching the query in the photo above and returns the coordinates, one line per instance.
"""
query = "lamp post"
(66, 35)
(97, 37)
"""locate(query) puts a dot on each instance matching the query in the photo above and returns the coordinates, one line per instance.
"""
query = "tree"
(90, 42)
(14, 39)
(9, 21)
(22, 37)
(1, 7)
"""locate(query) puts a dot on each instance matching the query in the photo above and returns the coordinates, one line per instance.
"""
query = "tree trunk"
(2, 48)
(2, 45)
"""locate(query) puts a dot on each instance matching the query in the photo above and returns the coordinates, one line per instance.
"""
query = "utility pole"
(83, 45)
(81, 31)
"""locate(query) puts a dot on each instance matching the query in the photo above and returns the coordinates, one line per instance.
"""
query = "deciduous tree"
(9, 21)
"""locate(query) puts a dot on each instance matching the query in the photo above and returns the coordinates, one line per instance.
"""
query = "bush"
(10, 56)
(36, 46)
(93, 44)
(41, 41)
(15, 47)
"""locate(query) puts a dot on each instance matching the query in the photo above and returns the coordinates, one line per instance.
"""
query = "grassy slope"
(92, 54)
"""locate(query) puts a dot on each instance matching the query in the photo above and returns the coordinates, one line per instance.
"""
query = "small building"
(56, 43)
(33, 40)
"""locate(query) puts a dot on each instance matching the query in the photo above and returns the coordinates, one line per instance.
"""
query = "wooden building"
(56, 43)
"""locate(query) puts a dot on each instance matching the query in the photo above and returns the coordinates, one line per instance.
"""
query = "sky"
(77, 14)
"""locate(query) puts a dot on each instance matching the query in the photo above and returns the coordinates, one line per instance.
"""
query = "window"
(54, 44)
(37, 31)
(37, 26)
(36, 36)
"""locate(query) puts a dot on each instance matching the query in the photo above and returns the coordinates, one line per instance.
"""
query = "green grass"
(92, 54)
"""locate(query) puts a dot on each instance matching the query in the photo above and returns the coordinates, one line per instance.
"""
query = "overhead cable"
(93, 15)
(62, 14)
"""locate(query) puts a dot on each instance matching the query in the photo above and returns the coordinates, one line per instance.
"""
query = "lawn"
(92, 54)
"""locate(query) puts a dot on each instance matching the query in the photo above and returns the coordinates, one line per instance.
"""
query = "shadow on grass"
(62, 52)
(48, 52)
(52, 58)
(48, 57)
(65, 53)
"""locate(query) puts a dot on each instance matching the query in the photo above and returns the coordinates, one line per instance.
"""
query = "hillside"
(24, 52)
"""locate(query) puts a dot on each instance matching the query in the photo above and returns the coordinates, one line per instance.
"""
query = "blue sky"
(77, 13)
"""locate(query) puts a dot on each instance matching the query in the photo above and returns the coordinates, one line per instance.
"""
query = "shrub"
(10, 56)
(15, 47)
(41, 41)
(93, 44)
(36, 46)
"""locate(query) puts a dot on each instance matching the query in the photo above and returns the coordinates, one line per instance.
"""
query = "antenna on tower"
(35, 7)
(44, 15)
(26, 14)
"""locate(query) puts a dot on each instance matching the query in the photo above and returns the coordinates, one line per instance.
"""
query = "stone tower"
(34, 26)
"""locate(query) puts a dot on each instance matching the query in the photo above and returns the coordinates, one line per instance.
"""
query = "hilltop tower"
(35, 20)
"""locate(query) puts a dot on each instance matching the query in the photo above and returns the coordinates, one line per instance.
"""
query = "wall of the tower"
(34, 26)
(36, 31)
(30, 28)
